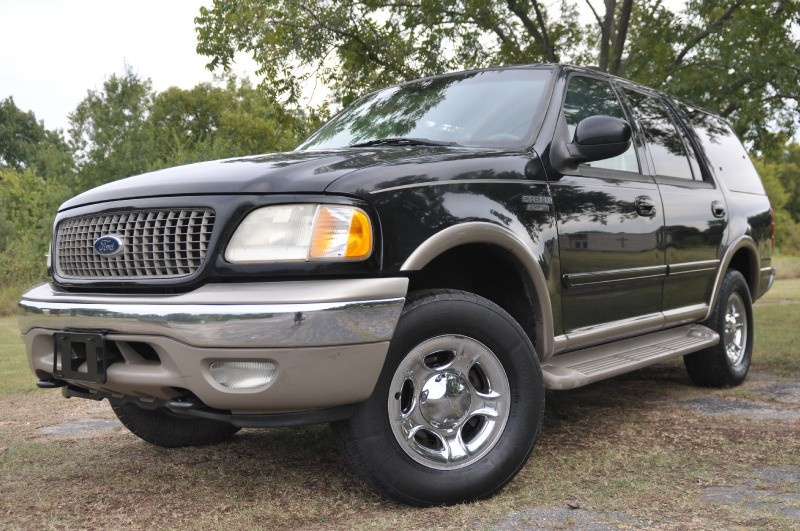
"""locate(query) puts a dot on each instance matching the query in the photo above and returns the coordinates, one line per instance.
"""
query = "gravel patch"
(780, 476)
(565, 518)
(773, 489)
(783, 390)
(715, 406)
(80, 428)
(787, 393)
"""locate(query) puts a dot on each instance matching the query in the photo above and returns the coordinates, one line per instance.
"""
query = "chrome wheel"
(449, 402)
(735, 329)
(726, 364)
(457, 408)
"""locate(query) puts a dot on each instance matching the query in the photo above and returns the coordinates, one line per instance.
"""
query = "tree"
(739, 59)
(355, 45)
(216, 122)
(779, 169)
(26, 144)
(28, 204)
(107, 130)
(790, 178)
(126, 128)
(786, 161)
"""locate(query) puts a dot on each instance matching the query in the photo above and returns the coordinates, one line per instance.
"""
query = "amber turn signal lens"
(341, 232)
(359, 240)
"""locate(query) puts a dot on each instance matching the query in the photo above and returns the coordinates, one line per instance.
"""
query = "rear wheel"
(457, 408)
(726, 364)
(166, 429)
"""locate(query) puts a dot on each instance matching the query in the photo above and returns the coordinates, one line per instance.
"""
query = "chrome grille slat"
(158, 243)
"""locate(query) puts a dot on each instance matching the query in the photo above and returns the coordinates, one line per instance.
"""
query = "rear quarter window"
(724, 151)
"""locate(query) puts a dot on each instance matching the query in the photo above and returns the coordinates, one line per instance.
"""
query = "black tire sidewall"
(393, 471)
(162, 428)
(712, 367)
(734, 282)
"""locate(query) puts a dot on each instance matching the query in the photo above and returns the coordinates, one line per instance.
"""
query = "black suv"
(417, 272)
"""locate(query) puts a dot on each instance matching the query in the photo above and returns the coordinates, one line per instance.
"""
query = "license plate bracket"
(73, 349)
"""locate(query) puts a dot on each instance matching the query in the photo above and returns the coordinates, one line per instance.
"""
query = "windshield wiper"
(403, 141)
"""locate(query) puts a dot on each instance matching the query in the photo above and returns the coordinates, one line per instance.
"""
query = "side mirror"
(598, 138)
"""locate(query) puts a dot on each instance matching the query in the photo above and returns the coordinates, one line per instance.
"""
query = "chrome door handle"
(718, 209)
(645, 206)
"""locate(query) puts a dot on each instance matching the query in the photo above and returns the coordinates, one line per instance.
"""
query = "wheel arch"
(483, 233)
(741, 256)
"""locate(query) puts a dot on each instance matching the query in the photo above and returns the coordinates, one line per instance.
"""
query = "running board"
(589, 365)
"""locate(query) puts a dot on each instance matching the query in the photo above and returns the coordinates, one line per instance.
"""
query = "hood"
(292, 172)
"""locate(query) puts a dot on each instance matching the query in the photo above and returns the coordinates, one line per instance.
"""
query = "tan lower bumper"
(326, 339)
(306, 378)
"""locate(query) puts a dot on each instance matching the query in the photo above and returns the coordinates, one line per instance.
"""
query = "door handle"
(645, 206)
(718, 209)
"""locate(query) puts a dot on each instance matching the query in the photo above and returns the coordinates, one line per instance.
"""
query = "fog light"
(243, 374)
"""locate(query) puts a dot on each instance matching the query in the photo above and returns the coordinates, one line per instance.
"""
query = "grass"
(788, 266)
(9, 296)
(777, 317)
(15, 377)
(624, 449)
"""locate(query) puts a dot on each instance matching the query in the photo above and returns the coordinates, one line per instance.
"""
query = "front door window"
(586, 97)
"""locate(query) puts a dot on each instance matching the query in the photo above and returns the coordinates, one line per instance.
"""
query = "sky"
(53, 51)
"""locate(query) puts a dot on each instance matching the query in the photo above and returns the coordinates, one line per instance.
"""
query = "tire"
(165, 429)
(423, 438)
(726, 363)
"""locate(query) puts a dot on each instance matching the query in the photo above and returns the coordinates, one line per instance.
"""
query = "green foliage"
(36, 172)
(788, 161)
(735, 58)
(355, 46)
(780, 172)
(216, 122)
(738, 59)
(28, 204)
(25, 143)
(107, 130)
(126, 128)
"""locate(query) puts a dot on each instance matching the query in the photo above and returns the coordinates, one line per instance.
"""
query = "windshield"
(495, 108)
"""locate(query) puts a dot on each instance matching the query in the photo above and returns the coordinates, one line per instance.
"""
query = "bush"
(28, 204)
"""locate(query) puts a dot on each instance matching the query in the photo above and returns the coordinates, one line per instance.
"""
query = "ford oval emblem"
(108, 245)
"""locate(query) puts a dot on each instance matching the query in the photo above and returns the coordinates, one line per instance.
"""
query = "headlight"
(301, 233)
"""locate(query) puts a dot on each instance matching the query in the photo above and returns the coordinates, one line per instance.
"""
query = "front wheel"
(457, 408)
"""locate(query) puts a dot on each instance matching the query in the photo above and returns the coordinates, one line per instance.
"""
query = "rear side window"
(724, 151)
(665, 143)
(586, 97)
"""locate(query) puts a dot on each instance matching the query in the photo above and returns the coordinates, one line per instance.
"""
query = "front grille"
(162, 243)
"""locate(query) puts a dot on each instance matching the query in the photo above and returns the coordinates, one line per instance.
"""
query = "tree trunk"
(606, 30)
(622, 35)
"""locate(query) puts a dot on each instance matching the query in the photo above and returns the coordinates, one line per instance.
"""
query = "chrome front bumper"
(286, 314)
(328, 338)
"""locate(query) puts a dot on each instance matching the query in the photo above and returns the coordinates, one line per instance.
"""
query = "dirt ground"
(643, 450)
(646, 450)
